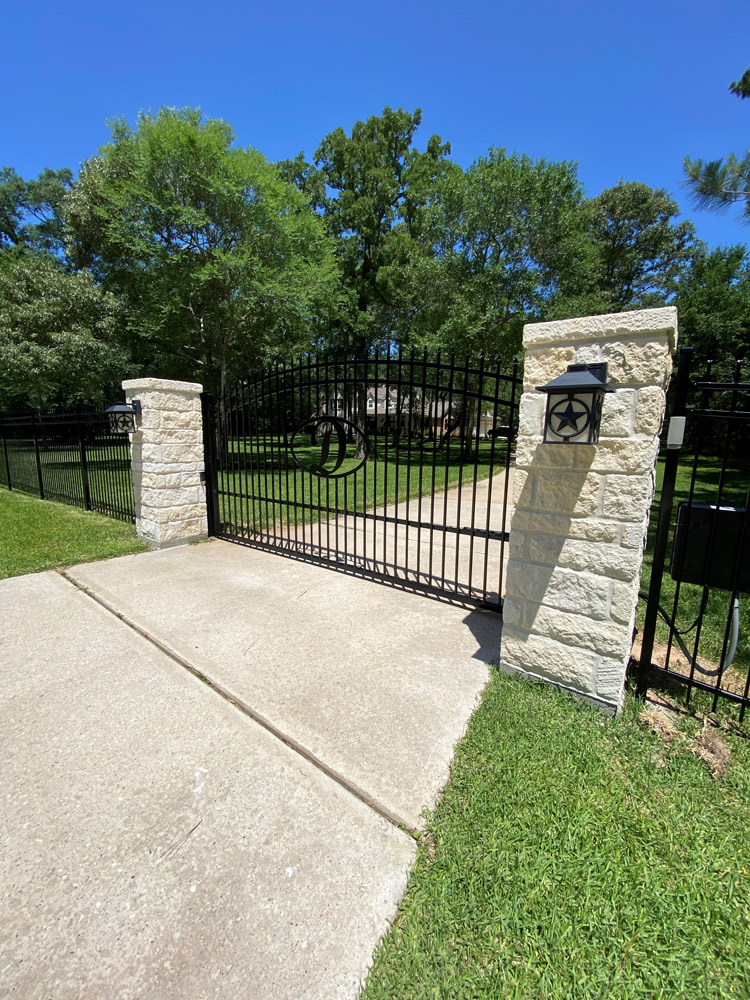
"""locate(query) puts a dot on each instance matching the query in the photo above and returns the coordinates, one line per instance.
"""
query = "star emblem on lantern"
(574, 404)
(568, 414)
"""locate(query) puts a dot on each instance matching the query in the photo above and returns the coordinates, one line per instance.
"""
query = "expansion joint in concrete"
(242, 706)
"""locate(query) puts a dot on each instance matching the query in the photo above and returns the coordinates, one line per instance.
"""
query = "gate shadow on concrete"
(486, 627)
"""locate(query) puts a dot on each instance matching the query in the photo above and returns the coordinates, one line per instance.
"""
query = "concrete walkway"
(163, 837)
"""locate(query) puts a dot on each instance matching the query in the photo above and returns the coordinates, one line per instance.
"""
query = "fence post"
(84, 463)
(167, 461)
(663, 525)
(211, 473)
(35, 432)
(5, 451)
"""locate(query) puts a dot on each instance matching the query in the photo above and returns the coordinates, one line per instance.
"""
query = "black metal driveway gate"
(697, 621)
(394, 466)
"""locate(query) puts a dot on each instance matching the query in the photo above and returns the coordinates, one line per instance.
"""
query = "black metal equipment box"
(693, 535)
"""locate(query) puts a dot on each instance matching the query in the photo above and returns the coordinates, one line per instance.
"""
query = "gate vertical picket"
(296, 450)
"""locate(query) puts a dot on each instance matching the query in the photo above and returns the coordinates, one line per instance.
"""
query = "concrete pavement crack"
(251, 713)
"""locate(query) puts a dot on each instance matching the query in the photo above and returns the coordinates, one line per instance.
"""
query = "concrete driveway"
(418, 551)
(244, 835)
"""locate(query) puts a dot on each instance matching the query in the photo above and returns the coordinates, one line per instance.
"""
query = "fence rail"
(73, 458)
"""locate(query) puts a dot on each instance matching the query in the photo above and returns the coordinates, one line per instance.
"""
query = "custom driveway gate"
(393, 466)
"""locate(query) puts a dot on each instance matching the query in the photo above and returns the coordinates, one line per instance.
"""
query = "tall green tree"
(505, 233)
(637, 248)
(59, 336)
(717, 184)
(713, 302)
(31, 211)
(371, 188)
(220, 262)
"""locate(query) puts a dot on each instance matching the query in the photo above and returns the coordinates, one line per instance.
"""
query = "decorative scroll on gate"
(394, 467)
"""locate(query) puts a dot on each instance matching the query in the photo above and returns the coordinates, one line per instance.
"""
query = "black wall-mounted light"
(574, 404)
(122, 416)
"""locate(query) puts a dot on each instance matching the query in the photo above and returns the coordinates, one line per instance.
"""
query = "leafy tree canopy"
(370, 188)
(638, 249)
(505, 234)
(219, 260)
(58, 336)
(741, 87)
(31, 211)
(713, 303)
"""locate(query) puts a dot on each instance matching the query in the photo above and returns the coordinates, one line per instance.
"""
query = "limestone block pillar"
(581, 511)
(167, 459)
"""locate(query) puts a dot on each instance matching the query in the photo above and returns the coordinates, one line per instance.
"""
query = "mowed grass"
(41, 534)
(575, 857)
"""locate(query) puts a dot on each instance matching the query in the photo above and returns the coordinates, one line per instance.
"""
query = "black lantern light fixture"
(574, 404)
(122, 416)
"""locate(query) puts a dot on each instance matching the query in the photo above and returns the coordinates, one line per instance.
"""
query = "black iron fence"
(393, 466)
(73, 458)
(696, 633)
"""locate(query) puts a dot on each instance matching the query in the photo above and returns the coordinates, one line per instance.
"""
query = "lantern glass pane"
(121, 423)
(569, 417)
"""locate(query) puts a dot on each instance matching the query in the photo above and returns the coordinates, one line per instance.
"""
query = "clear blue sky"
(625, 88)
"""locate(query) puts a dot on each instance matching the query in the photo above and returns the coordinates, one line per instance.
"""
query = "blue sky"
(625, 88)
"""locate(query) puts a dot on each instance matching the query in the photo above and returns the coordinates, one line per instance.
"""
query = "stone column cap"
(160, 385)
(607, 327)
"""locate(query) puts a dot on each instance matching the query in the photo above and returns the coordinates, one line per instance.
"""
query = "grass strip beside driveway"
(574, 856)
(41, 534)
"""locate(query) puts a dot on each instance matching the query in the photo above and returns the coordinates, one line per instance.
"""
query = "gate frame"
(391, 370)
(666, 504)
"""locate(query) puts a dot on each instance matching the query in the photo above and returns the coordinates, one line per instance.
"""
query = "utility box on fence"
(694, 544)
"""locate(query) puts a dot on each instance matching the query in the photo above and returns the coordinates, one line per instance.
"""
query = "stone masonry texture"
(581, 511)
(167, 458)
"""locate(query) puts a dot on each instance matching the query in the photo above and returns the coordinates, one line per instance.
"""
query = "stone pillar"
(581, 511)
(167, 458)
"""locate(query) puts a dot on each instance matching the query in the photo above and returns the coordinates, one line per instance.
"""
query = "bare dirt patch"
(707, 744)
(733, 679)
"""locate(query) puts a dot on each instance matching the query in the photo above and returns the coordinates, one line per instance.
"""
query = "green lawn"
(574, 857)
(264, 468)
(41, 534)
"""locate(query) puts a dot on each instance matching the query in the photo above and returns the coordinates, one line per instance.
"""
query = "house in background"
(388, 411)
